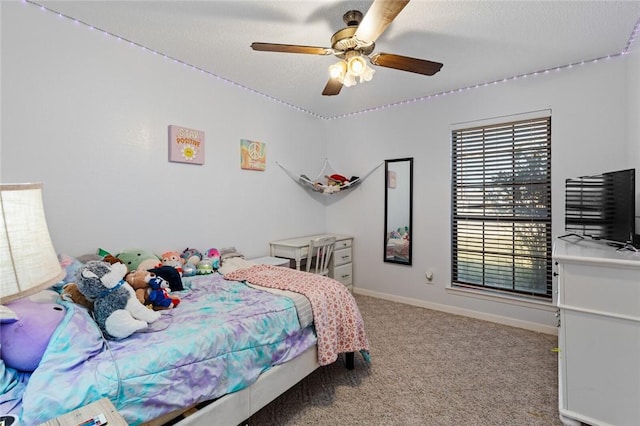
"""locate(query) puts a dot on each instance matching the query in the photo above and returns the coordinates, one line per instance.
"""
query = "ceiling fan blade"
(405, 63)
(377, 19)
(332, 88)
(291, 48)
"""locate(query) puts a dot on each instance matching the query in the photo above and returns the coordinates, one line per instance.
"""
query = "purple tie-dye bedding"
(220, 338)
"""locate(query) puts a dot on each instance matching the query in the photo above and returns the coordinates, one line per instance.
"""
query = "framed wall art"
(186, 145)
(253, 155)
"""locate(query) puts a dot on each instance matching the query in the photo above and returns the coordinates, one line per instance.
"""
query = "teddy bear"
(139, 281)
(117, 310)
(158, 294)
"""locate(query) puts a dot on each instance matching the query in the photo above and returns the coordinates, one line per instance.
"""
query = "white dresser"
(598, 296)
(340, 267)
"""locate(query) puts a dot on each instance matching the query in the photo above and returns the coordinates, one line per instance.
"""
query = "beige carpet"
(429, 368)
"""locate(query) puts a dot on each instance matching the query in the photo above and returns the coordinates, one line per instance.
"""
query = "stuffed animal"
(214, 255)
(24, 339)
(159, 296)
(205, 267)
(105, 256)
(336, 179)
(116, 309)
(134, 257)
(170, 274)
(192, 256)
(71, 293)
(111, 259)
(172, 258)
(139, 281)
(188, 270)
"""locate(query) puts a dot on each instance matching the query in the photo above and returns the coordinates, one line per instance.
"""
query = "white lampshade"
(28, 261)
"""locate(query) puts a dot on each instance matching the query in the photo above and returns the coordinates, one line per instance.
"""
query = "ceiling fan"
(356, 41)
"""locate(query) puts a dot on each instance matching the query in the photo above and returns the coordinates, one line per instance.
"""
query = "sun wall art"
(253, 155)
(186, 145)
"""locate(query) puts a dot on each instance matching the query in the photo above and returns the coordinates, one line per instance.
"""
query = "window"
(501, 207)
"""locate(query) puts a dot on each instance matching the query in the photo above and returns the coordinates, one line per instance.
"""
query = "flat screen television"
(602, 206)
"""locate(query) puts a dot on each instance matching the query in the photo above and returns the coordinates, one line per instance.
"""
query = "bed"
(235, 341)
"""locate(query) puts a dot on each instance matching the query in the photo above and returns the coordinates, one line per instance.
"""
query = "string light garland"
(627, 50)
(176, 60)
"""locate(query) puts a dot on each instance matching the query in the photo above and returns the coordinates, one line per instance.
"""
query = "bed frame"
(234, 408)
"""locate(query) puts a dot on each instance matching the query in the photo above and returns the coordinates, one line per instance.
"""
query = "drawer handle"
(345, 257)
(345, 275)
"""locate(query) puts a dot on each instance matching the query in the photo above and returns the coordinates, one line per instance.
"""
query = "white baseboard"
(527, 325)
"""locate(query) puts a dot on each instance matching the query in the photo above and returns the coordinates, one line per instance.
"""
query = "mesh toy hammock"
(334, 181)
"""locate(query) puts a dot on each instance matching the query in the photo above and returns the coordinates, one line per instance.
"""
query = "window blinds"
(501, 207)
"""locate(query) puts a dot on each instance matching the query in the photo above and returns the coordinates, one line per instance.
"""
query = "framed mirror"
(398, 210)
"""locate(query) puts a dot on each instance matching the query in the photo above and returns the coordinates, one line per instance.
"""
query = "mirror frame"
(386, 210)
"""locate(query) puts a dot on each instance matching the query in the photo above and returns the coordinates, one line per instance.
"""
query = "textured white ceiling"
(478, 41)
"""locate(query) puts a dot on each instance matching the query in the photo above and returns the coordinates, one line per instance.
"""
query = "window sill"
(545, 305)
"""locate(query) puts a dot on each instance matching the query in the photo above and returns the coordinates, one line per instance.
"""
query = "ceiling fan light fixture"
(338, 70)
(367, 74)
(356, 65)
(354, 46)
(352, 69)
(349, 80)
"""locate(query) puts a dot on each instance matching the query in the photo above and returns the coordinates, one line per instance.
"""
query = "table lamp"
(28, 265)
(28, 261)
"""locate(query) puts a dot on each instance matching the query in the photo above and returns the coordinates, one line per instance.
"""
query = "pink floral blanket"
(336, 316)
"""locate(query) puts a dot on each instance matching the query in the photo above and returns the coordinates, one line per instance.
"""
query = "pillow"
(235, 263)
(23, 342)
(229, 253)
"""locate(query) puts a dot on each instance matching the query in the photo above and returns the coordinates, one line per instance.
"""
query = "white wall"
(589, 135)
(633, 114)
(87, 115)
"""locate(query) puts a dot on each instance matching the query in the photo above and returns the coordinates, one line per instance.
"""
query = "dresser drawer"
(343, 274)
(615, 291)
(342, 256)
(340, 244)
